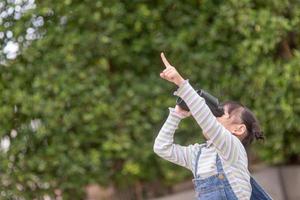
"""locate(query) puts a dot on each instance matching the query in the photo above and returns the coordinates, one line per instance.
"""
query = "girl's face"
(233, 122)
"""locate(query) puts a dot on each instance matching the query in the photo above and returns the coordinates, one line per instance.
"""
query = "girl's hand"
(170, 73)
(182, 112)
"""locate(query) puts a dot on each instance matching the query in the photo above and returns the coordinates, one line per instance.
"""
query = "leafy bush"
(84, 103)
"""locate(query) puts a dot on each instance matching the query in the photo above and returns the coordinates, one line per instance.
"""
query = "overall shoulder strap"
(197, 160)
(219, 164)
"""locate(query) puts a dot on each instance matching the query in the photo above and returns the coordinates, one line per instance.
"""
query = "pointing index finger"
(165, 61)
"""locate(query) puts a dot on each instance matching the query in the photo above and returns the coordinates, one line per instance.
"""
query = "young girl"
(220, 166)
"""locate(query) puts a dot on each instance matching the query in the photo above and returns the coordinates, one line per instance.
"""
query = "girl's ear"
(239, 129)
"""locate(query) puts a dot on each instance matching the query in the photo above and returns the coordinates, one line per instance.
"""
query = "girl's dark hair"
(248, 118)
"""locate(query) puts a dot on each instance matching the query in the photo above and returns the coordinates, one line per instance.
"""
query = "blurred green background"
(82, 100)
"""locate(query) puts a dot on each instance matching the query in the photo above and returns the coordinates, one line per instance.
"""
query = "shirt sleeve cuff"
(175, 114)
(181, 88)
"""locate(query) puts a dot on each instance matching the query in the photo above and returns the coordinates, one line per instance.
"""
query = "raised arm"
(227, 144)
(164, 143)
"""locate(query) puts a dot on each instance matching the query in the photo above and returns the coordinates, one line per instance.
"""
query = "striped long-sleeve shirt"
(219, 140)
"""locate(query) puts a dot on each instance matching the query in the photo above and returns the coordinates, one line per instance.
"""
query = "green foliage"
(87, 102)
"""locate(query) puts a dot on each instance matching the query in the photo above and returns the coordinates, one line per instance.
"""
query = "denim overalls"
(217, 187)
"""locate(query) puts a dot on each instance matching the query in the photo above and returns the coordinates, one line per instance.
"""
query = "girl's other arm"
(164, 143)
